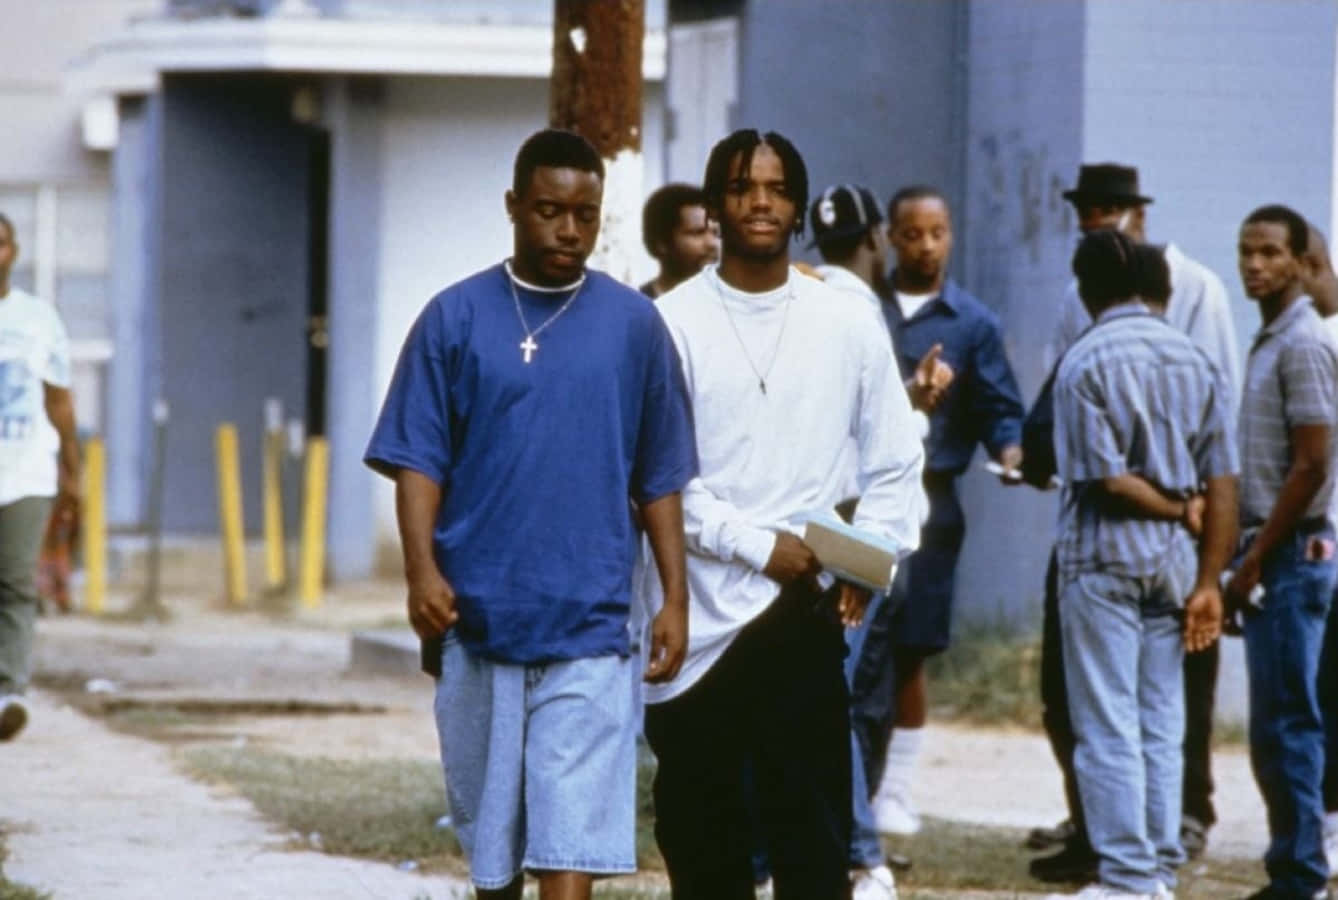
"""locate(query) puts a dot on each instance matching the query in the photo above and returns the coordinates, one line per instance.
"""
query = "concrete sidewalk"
(88, 813)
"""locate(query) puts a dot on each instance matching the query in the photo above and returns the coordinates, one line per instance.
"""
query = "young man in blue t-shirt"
(530, 402)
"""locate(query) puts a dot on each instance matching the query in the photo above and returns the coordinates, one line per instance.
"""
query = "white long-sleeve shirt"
(1198, 307)
(768, 460)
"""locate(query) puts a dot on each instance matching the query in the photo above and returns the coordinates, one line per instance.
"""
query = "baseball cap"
(842, 210)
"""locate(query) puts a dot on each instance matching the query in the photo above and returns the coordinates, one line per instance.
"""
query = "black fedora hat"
(1107, 181)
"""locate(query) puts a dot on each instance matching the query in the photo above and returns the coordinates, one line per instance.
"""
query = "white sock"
(903, 751)
(1331, 822)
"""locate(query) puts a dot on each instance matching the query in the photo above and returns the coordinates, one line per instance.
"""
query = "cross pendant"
(529, 346)
(762, 383)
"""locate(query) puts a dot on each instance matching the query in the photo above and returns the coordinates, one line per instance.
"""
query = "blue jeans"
(540, 763)
(1123, 660)
(866, 852)
(1282, 649)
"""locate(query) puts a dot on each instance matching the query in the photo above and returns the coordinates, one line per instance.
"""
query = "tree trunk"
(596, 92)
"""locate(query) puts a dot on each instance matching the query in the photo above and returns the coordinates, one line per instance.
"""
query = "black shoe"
(1075, 864)
(1267, 893)
(1045, 838)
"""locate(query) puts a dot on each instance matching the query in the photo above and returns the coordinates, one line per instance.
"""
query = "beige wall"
(39, 37)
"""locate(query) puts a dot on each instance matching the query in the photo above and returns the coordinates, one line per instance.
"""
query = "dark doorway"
(318, 300)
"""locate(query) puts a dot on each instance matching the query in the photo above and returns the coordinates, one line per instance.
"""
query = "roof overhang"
(133, 60)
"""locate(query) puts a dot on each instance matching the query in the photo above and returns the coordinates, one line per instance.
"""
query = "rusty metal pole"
(596, 92)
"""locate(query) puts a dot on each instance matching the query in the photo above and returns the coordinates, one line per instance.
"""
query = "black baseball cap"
(841, 211)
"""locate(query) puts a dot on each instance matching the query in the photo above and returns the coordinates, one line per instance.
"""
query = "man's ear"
(512, 204)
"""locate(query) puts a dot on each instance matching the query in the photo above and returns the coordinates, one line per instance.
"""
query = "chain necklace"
(528, 346)
(775, 353)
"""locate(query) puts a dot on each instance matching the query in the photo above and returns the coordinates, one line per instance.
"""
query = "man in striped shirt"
(1141, 425)
(1287, 416)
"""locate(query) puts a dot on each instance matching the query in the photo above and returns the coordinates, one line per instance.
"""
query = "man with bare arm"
(530, 402)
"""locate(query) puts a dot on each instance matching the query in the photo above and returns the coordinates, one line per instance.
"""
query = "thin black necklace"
(775, 353)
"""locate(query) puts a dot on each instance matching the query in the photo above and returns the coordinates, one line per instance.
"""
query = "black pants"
(777, 701)
(1200, 698)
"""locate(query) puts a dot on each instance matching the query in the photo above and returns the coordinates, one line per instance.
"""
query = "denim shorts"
(540, 763)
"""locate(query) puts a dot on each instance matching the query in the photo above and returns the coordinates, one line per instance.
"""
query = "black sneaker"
(1193, 836)
(1075, 864)
(1045, 838)
(1267, 893)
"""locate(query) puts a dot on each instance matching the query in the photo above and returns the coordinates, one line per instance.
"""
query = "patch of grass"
(647, 851)
(380, 809)
(11, 890)
(988, 678)
(954, 857)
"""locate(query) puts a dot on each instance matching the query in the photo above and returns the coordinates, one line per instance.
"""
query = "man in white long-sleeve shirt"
(780, 369)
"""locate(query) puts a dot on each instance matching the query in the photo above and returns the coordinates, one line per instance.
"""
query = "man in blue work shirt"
(923, 307)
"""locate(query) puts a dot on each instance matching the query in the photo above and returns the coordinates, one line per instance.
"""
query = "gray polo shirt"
(1291, 379)
(1134, 395)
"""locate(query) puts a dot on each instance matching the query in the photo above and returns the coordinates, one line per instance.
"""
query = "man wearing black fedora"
(1108, 195)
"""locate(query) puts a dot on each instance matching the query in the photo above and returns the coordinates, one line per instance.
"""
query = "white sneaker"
(765, 891)
(873, 884)
(1331, 847)
(1105, 892)
(13, 716)
(892, 814)
(1165, 893)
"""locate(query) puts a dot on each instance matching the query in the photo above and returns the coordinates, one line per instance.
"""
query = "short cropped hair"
(659, 217)
(9, 226)
(914, 192)
(1152, 273)
(554, 148)
(1106, 263)
(744, 143)
(1298, 229)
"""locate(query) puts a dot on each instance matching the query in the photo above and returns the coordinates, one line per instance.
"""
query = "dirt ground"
(88, 812)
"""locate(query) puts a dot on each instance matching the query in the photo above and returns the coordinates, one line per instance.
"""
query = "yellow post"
(230, 513)
(273, 485)
(314, 488)
(95, 526)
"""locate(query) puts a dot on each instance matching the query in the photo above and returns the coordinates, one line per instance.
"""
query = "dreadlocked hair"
(743, 144)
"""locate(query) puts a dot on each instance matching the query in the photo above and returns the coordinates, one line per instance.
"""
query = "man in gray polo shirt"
(1142, 421)
(1288, 411)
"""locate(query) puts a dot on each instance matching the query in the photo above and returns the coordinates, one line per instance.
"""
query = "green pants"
(22, 524)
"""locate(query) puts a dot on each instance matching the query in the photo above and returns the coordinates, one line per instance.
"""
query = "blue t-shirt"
(537, 460)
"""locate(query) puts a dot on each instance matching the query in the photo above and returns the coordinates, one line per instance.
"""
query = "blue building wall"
(353, 114)
(868, 91)
(232, 278)
(1024, 113)
(1223, 107)
(132, 284)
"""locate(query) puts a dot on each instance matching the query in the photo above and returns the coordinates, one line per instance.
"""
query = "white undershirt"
(911, 303)
(540, 288)
(770, 460)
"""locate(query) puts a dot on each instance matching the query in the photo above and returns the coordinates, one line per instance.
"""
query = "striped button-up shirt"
(1291, 379)
(1134, 395)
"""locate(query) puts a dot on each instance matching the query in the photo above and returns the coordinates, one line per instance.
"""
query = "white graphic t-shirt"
(33, 349)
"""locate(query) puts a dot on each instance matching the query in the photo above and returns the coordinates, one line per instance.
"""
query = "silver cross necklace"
(528, 346)
(775, 353)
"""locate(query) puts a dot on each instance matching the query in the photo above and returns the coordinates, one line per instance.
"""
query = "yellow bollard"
(230, 513)
(314, 487)
(95, 526)
(273, 485)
